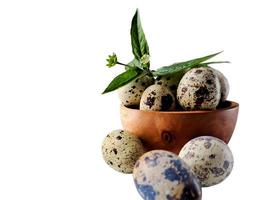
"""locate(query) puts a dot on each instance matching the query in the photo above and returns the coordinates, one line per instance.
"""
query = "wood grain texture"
(171, 130)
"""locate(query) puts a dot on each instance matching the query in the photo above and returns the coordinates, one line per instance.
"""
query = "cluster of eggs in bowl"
(175, 134)
(170, 111)
(201, 88)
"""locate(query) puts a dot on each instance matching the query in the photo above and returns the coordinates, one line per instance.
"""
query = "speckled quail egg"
(199, 89)
(121, 150)
(210, 158)
(225, 87)
(157, 98)
(170, 81)
(162, 175)
(130, 94)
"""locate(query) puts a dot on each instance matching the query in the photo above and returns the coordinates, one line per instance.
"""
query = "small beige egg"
(199, 89)
(157, 98)
(130, 94)
(170, 81)
(225, 87)
(121, 150)
(210, 158)
(162, 175)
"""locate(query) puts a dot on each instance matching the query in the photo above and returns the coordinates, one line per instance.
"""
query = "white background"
(53, 117)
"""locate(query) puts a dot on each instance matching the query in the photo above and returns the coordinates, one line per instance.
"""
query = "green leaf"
(134, 63)
(138, 39)
(123, 79)
(216, 62)
(174, 68)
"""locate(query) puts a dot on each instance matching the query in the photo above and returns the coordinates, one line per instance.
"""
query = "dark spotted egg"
(130, 94)
(210, 158)
(121, 150)
(199, 89)
(157, 98)
(162, 175)
(170, 81)
(225, 87)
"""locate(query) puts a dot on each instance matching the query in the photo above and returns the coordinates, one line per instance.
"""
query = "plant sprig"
(123, 79)
(176, 67)
(139, 43)
(140, 65)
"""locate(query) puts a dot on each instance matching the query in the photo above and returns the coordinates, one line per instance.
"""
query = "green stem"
(119, 63)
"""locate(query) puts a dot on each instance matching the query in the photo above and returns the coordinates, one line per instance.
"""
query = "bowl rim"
(234, 105)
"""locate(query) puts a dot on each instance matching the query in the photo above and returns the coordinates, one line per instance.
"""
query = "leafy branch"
(140, 65)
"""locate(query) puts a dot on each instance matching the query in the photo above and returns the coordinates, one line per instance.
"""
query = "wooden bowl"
(171, 130)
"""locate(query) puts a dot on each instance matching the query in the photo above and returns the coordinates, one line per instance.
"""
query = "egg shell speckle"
(210, 158)
(169, 81)
(162, 175)
(130, 94)
(121, 150)
(199, 89)
(157, 98)
(225, 87)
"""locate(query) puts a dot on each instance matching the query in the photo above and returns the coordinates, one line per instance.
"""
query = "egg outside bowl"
(171, 130)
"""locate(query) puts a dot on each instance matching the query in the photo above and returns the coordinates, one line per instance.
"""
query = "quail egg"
(199, 89)
(121, 150)
(170, 81)
(157, 98)
(130, 94)
(225, 87)
(210, 158)
(162, 175)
